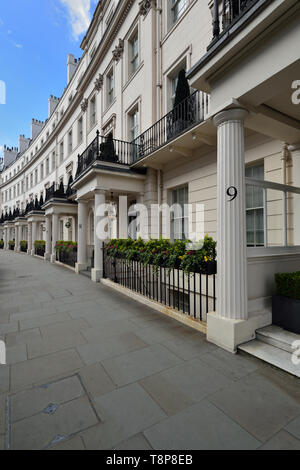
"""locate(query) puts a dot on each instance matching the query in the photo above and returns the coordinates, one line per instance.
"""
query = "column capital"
(294, 148)
(100, 191)
(232, 114)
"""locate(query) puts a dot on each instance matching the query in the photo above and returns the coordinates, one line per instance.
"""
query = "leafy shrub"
(24, 244)
(288, 284)
(39, 244)
(66, 246)
(163, 253)
(1, 244)
(11, 243)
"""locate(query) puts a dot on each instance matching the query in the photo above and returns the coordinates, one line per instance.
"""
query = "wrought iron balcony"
(106, 149)
(228, 13)
(184, 116)
(59, 191)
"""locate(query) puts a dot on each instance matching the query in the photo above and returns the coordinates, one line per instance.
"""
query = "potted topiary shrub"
(40, 247)
(1, 244)
(286, 302)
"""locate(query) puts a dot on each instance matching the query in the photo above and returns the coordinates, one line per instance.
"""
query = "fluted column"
(29, 238)
(20, 231)
(232, 297)
(54, 236)
(48, 247)
(81, 264)
(33, 237)
(17, 240)
(99, 214)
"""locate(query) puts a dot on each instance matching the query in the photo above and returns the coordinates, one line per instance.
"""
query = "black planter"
(209, 268)
(286, 313)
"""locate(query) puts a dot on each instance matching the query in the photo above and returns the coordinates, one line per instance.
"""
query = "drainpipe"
(159, 201)
(284, 159)
(158, 60)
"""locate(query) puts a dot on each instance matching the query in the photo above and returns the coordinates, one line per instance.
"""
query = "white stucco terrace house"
(236, 152)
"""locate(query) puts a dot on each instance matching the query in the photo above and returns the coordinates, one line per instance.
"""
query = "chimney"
(23, 143)
(52, 103)
(72, 64)
(36, 127)
(9, 155)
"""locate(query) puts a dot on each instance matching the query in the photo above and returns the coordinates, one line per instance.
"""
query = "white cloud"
(79, 12)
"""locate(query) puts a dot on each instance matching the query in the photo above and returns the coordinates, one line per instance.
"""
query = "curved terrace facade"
(130, 131)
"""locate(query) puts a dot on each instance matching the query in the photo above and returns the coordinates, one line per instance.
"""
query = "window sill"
(132, 77)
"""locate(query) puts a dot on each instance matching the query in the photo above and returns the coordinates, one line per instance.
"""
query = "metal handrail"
(190, 112)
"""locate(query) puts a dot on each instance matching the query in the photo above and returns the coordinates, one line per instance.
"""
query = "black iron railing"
(227, 12)
(67, 257)
(40, 251)
(58, 191)
(183, 117)
(193, 294)
(106, 149)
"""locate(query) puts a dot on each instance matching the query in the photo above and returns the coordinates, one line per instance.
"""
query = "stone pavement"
(91, 369)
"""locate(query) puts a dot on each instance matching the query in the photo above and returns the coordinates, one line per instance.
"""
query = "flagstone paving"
(88, 368)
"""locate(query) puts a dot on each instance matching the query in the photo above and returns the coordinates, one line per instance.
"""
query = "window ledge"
(132, 77)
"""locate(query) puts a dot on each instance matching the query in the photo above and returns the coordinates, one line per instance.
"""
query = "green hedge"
(1, 243)
(39, 244)
(66, 246)
(288, 284)
(24, 244)
(164, 253)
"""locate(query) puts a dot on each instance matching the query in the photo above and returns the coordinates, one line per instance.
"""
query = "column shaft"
(82, 236)
(232, 298)
(99, 212)
(54, 236)
(48, 238)
(29, 238)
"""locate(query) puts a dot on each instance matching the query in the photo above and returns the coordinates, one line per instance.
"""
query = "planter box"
(286, 313)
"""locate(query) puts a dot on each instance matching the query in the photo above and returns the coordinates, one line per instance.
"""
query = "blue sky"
(35, 39)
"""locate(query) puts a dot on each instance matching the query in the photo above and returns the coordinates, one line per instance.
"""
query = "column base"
(47, 257)
(229, 334)
(29, 252)
(96, 275)
(53, 258)
(32, 252)
(80, 267)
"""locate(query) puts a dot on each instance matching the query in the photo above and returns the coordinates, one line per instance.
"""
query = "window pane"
(259, 219)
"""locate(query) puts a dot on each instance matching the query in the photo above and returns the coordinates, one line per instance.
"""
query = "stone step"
(276, 336)
(272, 355)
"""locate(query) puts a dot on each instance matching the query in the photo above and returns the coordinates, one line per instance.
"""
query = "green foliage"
(163, 253)
(66, 246)
(288, 284)
(11, 243)
(1, 243)
(39, 244)
(24, 244)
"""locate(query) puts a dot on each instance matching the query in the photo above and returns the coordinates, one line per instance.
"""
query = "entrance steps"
(276, 347)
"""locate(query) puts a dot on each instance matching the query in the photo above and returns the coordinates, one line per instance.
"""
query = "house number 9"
(232, 192)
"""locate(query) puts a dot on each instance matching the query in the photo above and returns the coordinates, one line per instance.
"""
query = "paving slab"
(282, 441)
(260, 407)
(131, 367)
(138, 442)
(184, 385)
(16, 354)
(294, 427)
(42, 430)
(76, 443)
(4, 379)
(125, 413)
(200, 427)
(96, 380)
(44, 368)
(43, 321)
(29, 402)
(3, 409)
(231, 365)
(110, 347)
